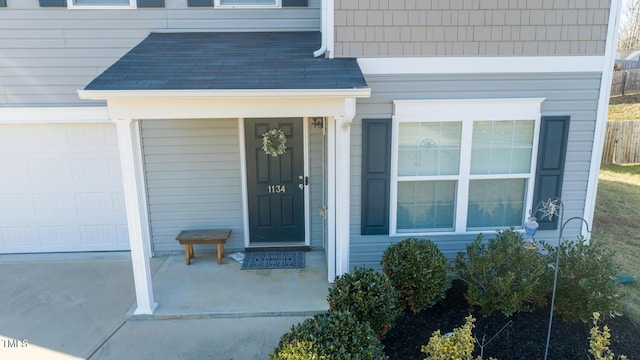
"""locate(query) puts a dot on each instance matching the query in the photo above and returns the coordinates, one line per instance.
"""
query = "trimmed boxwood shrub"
(502, 275)
(369, 296)
(586, 282)
(337, 335)
(418, 270)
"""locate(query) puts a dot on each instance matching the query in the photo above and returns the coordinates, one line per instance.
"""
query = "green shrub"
(502, 275)
(369, 296)
(458, 346)
(418, 270)
(337, 335)
(586, 281)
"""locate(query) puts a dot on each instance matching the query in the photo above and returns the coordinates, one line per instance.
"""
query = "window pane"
(426, 205)
(429, 148)
(495, 203)
(502, 147)
(102, 2)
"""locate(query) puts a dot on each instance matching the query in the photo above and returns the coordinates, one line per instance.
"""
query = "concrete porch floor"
(205, 289)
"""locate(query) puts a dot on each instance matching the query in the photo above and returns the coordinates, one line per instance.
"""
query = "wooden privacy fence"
(625, 82)
(622, 142)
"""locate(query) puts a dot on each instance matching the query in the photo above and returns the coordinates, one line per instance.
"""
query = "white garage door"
(60, 189)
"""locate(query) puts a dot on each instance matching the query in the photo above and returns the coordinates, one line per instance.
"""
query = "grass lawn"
(624, 107)
(617, 225)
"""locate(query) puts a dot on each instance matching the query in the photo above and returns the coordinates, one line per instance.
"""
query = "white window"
(462, 165)
(231, 4)
(101, 4)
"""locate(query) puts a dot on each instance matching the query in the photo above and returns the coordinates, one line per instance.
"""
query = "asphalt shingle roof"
(226, 61)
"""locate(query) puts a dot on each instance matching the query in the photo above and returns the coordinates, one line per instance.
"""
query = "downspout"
(323, 29)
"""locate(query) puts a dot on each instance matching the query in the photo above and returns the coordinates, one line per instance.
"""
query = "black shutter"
(150, 3)
(199, 2)
(552, 150)
(53, 3)
(3, 3)
(295, 3)
(376, 173)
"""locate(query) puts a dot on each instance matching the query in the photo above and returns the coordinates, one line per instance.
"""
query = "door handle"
(301, 187)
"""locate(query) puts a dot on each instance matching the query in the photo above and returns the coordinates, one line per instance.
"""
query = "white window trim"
(277, 4)
(467, 111)
(133, 4)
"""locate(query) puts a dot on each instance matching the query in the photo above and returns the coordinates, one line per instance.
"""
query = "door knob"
(301, 186)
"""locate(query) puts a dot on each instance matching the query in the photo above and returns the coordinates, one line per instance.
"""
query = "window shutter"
(3, 3)
(53, 3)
(150, 3)
(376, 172)
(286, 3)
(552, 150)
(199, 2)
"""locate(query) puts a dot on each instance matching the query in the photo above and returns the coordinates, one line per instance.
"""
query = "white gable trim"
(475, 65)
(241, 94)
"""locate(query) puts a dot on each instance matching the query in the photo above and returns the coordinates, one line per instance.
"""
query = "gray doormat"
(273, 260)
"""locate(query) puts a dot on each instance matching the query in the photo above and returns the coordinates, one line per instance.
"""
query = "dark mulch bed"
(522, 338)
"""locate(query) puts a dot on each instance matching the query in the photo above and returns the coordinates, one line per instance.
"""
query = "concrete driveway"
(74, 306)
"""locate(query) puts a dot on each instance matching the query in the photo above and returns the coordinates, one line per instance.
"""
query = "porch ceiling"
(228, 61)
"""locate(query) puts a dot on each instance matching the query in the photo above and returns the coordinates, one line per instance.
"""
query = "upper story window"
(462, 165)
(101, 4)
(248, 3)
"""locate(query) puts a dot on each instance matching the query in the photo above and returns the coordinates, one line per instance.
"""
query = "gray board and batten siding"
(574, 95)
(192, 168)
(397, 28)
(48, 53)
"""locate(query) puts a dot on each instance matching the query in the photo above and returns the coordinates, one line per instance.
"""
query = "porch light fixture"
(317, 122)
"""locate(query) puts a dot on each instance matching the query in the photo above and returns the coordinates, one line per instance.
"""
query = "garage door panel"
(62, 190)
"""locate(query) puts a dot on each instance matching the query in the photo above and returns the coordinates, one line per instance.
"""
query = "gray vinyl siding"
(192, 168)
(573, 94)
(50, 53)
(317, 165)
(470, 27)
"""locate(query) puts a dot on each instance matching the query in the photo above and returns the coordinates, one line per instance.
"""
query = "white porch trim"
(135, 205)
(342, 187)
(337, 106)
(331, 198)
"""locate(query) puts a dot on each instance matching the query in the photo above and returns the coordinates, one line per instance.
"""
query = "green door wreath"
(268, 139)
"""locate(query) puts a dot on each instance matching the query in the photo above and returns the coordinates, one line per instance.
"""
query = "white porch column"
(331, 198)
(343, 185)
(133, 184)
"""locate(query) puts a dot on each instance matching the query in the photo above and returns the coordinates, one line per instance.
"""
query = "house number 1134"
(276, 189)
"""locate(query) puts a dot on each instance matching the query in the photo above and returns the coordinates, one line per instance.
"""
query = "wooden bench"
(206, 236)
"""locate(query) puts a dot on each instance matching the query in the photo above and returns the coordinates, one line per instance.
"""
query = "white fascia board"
(198, 108)
(53, 115)
(238, 94)
(480, 65)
